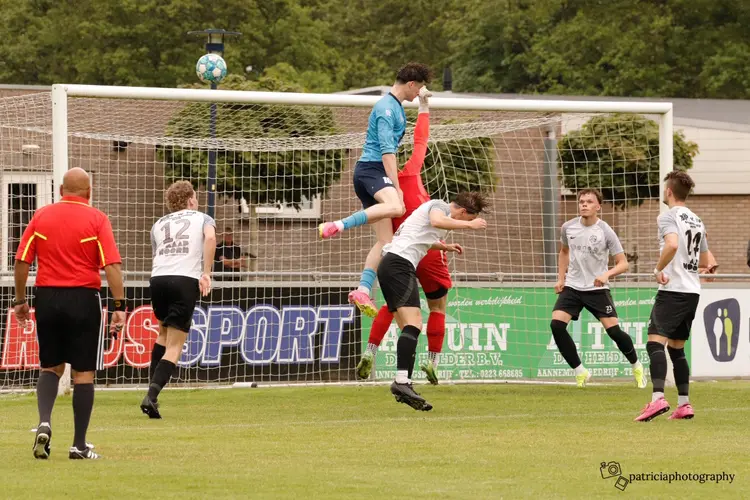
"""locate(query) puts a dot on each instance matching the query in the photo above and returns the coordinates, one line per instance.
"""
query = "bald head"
(76, 183)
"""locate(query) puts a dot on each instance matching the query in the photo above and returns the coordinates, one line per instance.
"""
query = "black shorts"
(173, 299)
(369, 178)
(597, 302)
(672, 314)
(398, 281)
(69, 327)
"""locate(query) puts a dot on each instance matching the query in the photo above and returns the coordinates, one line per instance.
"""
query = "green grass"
(480, 441)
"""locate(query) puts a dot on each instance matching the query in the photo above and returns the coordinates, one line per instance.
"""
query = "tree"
(454, 166)
(619, 155)
(268, 172)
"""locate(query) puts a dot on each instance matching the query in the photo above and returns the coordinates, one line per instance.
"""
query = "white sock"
(579, 369)
(372, 349)
(656, 396)
(682, 400)
(637, 364)
(339, 225)
(402, 377)
(363, 289)
(434, 357)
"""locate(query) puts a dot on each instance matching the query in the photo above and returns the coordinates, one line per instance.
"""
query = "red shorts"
(433, 273)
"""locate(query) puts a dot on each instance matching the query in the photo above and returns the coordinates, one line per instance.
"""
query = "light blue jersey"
(385, 129)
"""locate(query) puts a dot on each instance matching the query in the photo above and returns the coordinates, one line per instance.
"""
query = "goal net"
(281, 164)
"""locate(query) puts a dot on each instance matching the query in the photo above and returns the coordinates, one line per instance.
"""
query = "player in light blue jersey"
(376, 176)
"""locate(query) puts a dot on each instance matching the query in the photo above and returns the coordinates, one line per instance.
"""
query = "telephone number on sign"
(500, 374)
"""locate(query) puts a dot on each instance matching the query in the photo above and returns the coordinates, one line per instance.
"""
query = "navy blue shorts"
(369, 178)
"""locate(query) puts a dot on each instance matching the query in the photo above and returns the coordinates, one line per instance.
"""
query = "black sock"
(624, 343)
(406, 348)
(156, 354)
(161, 376)
(565, 343)
(46, 393)
(681, 370)
(658, 364)
(83, 404)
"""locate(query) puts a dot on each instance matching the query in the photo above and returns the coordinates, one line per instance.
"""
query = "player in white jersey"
(183, 244)
(684, 249)
(587, 242)
(397, 273)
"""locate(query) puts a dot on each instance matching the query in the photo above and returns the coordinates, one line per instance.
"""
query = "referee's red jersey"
(72, 241)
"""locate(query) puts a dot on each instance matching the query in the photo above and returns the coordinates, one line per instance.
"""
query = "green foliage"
(619, 155)
(259, 176)
(674, 48)
(454, 166)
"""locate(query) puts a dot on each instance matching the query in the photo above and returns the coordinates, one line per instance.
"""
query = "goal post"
(284, 164)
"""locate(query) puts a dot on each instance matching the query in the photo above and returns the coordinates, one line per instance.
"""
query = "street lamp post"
(214, 45)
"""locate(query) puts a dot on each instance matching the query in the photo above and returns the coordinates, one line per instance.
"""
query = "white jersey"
(691, 242)
(177, 244)
(590, 248)
(416, 234)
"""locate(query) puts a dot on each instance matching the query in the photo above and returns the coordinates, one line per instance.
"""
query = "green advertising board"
(504, 333)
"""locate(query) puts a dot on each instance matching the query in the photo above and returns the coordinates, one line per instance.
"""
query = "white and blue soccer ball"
(211, 68)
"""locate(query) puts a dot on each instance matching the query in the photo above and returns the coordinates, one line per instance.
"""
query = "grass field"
(486, 441)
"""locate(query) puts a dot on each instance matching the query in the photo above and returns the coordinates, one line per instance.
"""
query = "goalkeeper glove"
(424, 102)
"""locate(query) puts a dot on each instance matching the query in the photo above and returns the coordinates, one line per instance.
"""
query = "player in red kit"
(432, 272)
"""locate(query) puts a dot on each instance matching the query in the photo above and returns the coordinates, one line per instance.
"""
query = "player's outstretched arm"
(563, 260)
(447, 247)
(441, 221)
(421, 134)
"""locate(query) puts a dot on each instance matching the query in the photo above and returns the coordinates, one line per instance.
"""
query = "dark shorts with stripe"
(597, 302)
(173, 299)
(672, 315)
(398, 281)
(69, 327)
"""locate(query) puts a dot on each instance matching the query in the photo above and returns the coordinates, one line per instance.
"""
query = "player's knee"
(558, 327)
(83, 377)
(411, 331)
(676, 353)
(396, 209)
(654, 348)
(57, 370)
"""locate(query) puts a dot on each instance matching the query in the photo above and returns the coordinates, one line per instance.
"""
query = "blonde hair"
(178, 195)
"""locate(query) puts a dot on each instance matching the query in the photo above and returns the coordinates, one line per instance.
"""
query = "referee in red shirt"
(71, 241)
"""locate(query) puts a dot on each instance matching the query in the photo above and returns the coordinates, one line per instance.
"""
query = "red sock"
(435, 331)
(380, 325)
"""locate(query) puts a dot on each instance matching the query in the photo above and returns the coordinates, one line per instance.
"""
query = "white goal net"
(280, 166)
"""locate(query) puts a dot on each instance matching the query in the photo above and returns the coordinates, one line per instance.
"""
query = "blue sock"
(355, 219)
(368, 279)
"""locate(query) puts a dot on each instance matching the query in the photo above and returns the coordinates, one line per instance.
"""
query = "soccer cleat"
(150, 408)
(328, 230)
(583, 378)
(363, 302)
(404, 393)
(365, 366)
(429, 369)
(683, 412)
(42, 441)
(87, 454)
(653, 410)
(640, 377)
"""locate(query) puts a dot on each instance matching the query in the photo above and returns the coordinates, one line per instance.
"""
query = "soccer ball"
(211, 68)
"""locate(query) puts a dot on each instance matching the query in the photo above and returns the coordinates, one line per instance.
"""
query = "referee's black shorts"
(69, 327)
(173, 299)
(398, 282)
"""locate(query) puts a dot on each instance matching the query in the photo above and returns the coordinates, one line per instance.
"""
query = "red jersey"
(71, 241)
(410, 177)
